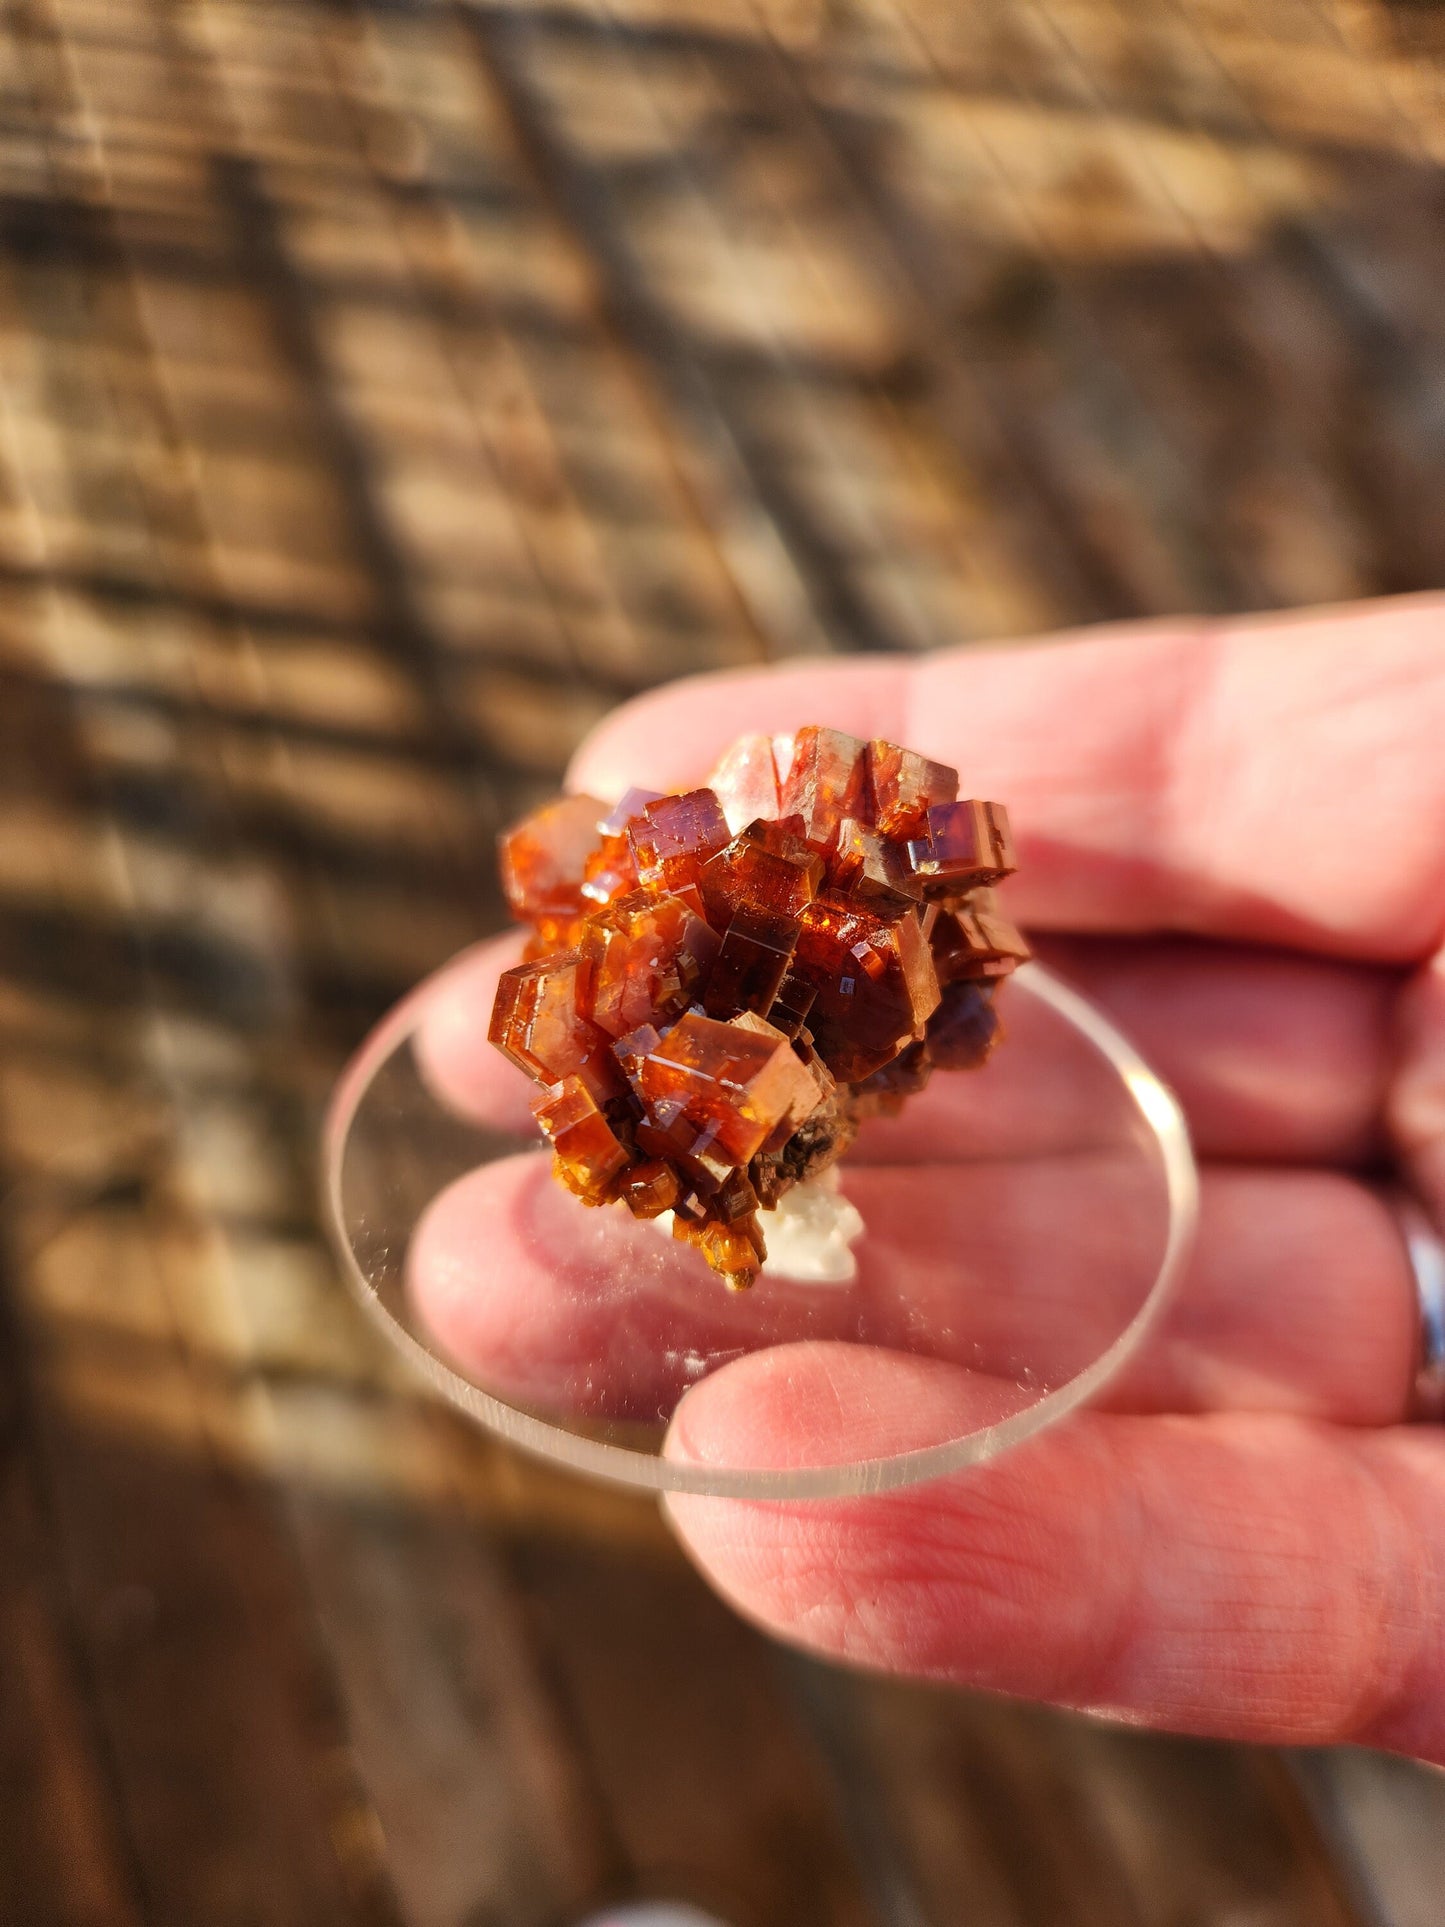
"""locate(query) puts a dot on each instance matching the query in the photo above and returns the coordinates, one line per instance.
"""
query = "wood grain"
(386, 390)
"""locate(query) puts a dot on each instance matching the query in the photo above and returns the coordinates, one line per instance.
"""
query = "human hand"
(1234, 840)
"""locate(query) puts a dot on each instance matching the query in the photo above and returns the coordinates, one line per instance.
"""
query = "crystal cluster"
(720, 985)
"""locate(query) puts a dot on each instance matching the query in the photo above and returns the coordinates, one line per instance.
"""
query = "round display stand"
(1022, 1225)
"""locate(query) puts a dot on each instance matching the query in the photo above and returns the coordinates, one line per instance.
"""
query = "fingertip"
(457, 1061)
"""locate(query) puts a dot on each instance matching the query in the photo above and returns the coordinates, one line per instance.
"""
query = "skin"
(1233, 838)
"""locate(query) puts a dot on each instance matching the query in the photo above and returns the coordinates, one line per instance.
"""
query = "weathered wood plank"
(985, 1812)
(63, 1854)
(710, 1783)
(384, 391)
(1385, 1821)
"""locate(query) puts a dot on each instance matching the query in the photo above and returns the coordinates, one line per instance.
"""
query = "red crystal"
(873, 868)
(650, 1188)
(589, 1153)
(877, 984)
(647, 956)
(750, 875)
(750, 966)
(826, 781)
(964, 846)
(539, 1021)
(674, 837)
(735, 1082)
(721, 984)
(975, 940)
(906, 786)
(543, 859)
(745, 783)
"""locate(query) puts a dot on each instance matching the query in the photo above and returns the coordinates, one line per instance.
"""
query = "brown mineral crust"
(721, 984)
(965, 1027)
(647, 956)
(905, 787)
(543, 858)
(819, 1141)
(589, 1154)
(827, 781)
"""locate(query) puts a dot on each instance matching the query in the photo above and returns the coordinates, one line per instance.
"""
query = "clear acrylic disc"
(1022, 1224)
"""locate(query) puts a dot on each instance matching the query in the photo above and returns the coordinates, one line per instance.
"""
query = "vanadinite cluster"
(721, 985)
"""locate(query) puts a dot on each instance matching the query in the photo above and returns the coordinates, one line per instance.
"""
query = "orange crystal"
(543, 859)
(750, 875)
(827, 780)
(877, 984)
(751, 965)
(905, 787)
(539, 1021)
(649, 1189)
(674, 837)
(975, 940)
(721, 984)
(737, 1081)
(647, 956)
(589, 1154)
(745, 783)
(964, 846)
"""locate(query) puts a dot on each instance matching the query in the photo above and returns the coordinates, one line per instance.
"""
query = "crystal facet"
(963, 846)
(722, 984)
(543, 859)
(827, 780)
(906, 786)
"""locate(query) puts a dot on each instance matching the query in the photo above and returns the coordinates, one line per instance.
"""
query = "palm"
(1234, 844)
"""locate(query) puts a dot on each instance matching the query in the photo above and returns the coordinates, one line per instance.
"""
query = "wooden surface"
(385, 390)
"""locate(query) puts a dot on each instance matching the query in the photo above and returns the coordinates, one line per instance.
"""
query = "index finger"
(1246, 1575)
(1273, 779)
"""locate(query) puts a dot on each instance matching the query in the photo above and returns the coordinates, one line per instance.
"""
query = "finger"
(457, 1061)
(581, 1313)
(1272, 779)
(1416, 1103)
(1255, 1577)
(1297, 1297)
(1272, 1055)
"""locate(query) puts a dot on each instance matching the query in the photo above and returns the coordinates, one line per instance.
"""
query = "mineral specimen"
(722, 985)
